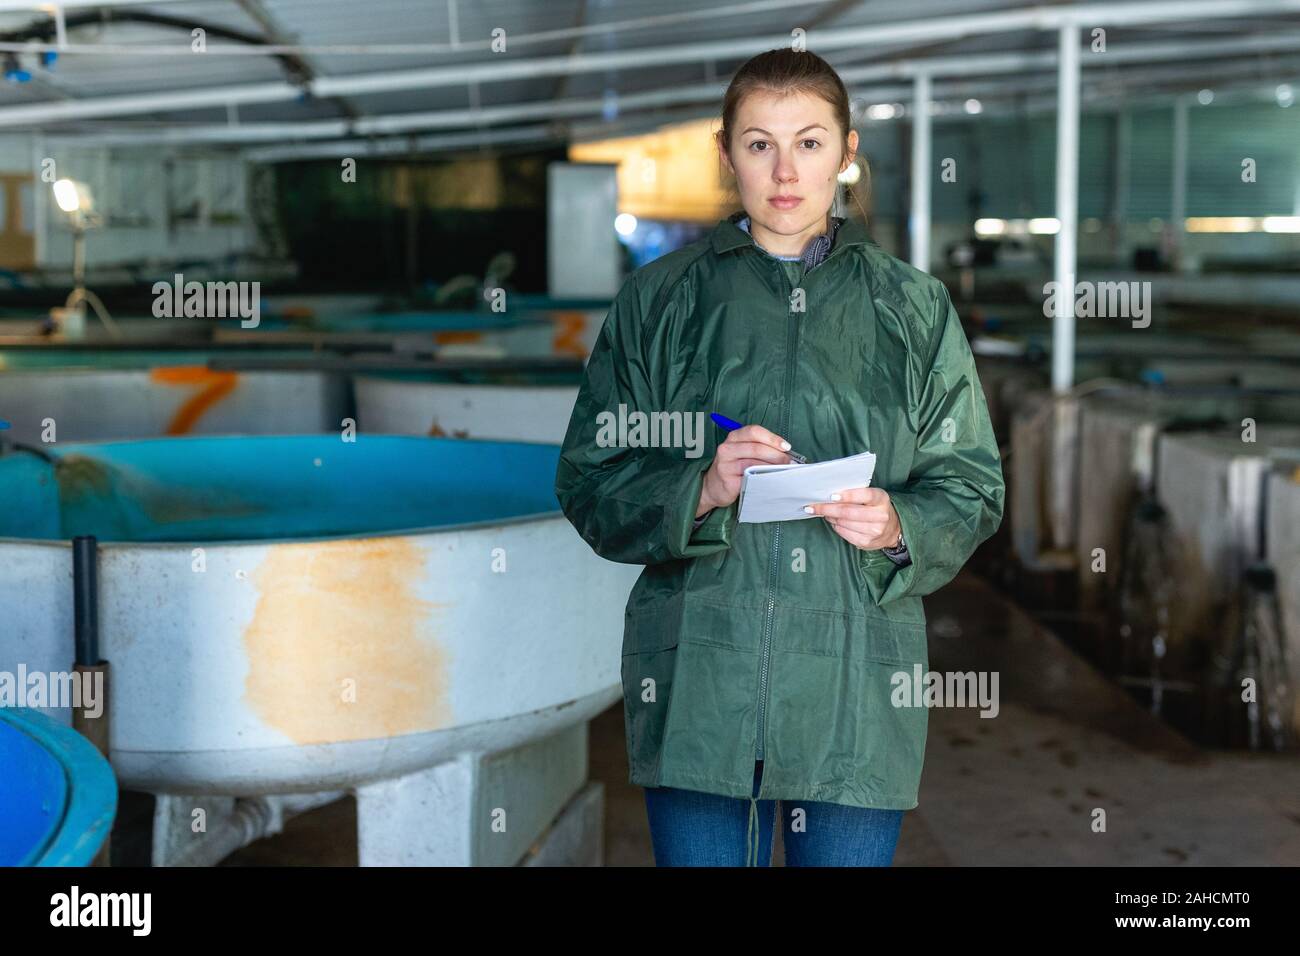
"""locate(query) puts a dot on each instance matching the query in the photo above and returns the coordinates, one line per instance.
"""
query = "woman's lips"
(785, 203)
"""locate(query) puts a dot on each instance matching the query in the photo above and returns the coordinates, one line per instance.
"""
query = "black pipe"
(45, 30)
(9, 447)
(85, 588)
(85, 632)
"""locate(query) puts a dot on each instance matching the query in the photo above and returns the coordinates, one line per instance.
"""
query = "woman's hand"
(751, 445)
(864, 517)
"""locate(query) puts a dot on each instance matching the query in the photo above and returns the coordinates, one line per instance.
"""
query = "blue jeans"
(690, 828)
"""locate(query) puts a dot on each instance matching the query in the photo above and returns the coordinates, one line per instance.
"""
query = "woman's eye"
(762, 142)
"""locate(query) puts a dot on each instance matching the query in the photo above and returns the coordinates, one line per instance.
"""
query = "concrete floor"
(1021, 788)
(1017, 789)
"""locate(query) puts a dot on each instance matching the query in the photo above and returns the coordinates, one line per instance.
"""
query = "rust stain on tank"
(435, 431)
(334, 615)
(456, 337)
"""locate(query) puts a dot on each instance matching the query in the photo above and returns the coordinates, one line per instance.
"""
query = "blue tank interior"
(270, 487)
(59, 797)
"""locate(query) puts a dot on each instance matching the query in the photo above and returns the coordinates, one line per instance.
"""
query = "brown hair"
(790, 72)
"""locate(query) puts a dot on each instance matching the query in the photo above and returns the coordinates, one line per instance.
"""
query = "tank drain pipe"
(90, 670)
(252, 819)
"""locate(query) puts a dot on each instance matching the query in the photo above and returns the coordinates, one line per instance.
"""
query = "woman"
(759, 660)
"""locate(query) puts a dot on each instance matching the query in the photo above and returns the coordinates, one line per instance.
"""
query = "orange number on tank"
(568, 334)
(212, 386)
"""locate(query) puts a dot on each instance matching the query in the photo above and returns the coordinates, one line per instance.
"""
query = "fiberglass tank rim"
(221, 491)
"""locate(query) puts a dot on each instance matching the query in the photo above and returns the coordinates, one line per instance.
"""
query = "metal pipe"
(85, 588)
(921, 174)
(1067, 207)
(1119, 199)
(651, 103)
(88, 667)
(38, 6)
(700, 93)
(403, 145)
(251, 819)
(1064, 428)
(580, 131)
(1178, 185)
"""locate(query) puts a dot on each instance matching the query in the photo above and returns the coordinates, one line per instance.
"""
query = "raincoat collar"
(728, 235)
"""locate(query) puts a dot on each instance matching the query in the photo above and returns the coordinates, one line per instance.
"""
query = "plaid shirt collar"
(816, 250)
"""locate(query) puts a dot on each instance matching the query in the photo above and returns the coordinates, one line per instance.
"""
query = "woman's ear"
(720, 142)
(852, 153)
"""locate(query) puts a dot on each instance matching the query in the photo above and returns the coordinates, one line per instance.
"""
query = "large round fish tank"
(303, 614)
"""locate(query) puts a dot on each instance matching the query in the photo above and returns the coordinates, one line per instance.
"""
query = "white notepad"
(779, 492)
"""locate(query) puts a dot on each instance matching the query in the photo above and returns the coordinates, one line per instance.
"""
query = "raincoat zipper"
(753, 832)
(792, 340)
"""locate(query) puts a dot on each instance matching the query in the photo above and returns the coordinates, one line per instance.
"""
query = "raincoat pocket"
(648, 668)
(904, 610)
(652, 627)
(887, 641)
(849, 636)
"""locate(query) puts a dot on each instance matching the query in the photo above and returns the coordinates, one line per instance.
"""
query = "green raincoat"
(779, 641)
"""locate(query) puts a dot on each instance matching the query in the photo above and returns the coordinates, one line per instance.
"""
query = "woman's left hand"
(864, 517)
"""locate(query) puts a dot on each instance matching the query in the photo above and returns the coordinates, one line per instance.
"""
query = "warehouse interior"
(295, 298)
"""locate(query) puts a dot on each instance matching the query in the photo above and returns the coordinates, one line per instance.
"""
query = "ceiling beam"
(877, 82)
(498, 69)
(39, 6)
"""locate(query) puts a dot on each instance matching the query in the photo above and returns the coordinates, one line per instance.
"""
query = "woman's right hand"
(751, 445)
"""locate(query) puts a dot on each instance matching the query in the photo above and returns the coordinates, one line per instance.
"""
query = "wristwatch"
(898, 553)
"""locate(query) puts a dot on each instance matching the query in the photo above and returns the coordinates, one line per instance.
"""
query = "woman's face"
(786, 153)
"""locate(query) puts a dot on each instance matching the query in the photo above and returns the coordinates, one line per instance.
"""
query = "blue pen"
(731, 426)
